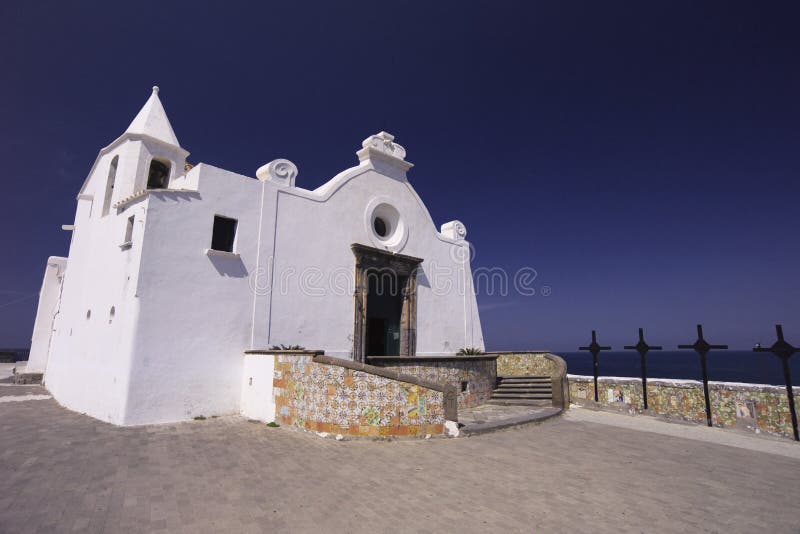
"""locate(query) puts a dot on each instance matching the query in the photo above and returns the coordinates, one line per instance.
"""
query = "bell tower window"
(112, 176)
(158, 176)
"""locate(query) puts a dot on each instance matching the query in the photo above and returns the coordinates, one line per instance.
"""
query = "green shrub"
(469, 351)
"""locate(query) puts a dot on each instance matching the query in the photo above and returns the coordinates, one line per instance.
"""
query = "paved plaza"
(581, 472)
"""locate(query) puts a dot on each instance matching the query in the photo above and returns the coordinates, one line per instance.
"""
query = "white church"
(175, 270)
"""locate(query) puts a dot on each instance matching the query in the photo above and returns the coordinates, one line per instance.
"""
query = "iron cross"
(594, 349)
(784, 351)
(702, 347)
(642, 348)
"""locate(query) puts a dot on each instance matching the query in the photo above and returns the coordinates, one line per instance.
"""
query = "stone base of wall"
(28, 378)
(754, 407)
(322, 394)
(473, 377)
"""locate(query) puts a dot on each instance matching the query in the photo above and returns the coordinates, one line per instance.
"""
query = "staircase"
(523, 390)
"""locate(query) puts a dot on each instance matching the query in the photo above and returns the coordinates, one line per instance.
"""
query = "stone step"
(522, 379)
(528, 377)
(505, 381)
(531, 396)
(548, 393)
(523, 386)
(519, 402)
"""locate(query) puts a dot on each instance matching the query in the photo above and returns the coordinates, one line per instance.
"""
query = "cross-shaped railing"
(702, 347)
(643, 348)
(783, 350)
(594, 348)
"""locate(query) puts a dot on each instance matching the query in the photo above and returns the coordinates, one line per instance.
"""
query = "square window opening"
(224, 234)
(129, 230)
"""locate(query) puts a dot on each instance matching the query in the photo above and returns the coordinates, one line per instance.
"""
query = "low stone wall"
(473, 377)
(537, 363)
(525, 363)
(324, 394)
(754, 407)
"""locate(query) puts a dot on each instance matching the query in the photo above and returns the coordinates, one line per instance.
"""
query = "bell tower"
(158, 157)
(146, 156)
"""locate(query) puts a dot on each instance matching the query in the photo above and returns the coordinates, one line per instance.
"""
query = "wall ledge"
(502, 352)
(471, 357)
(681, 382)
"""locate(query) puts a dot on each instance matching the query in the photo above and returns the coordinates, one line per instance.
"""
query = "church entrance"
(385, 322)
(384, 310)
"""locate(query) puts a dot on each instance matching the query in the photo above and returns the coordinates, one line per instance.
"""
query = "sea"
(723, 365)
(20, 355)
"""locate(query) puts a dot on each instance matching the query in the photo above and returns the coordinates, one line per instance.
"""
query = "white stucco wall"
(49, 299)
(313, 235)
(195, 309)
(89, 363)
(257, 401)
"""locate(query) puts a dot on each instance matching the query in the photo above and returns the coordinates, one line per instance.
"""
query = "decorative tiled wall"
(473, 378)
(330, 398)
(750, 406)
(525, 363)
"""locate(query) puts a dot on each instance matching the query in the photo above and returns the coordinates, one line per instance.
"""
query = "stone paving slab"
(727, 436)
(61, 471)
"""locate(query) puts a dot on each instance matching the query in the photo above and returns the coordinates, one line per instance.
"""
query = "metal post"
(702, 347)
(784, 351)
(595, 349)
(642, 348)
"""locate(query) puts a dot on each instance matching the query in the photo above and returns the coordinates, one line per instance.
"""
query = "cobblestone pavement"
(62, 471)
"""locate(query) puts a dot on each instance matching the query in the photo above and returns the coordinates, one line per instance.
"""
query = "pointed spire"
(152, 120)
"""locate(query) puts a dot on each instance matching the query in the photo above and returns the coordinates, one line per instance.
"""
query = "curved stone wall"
(473, 377)
(324, 394)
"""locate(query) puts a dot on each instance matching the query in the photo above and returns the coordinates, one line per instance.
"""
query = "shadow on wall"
(232, 266)
(175, 196)
(422, 278)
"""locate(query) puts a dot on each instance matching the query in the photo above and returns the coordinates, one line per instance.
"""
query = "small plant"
(273, 424)
(469, 351)
(200, 418)
(286, 347)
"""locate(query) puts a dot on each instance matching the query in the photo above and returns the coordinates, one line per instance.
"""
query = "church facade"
(174, 271)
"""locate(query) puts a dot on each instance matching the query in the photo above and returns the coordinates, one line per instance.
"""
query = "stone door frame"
(369, 258)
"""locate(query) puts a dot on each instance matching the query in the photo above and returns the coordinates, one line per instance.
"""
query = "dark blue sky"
(643, 157)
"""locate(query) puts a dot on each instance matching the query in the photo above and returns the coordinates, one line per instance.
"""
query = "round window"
(380, 227)
(386, 229)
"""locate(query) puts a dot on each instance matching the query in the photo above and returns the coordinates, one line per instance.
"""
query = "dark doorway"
(385, 320)
(384, 310)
